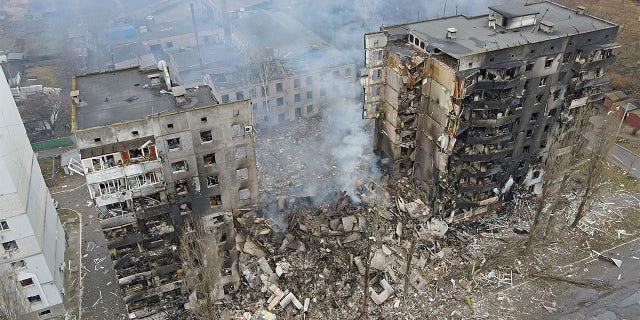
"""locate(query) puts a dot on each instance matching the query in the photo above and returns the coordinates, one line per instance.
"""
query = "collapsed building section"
(465, 105)
(155, 154)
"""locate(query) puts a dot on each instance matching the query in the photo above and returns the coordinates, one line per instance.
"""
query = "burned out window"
(19, 264)
(377, 55)
(212, 181)
(376, 74)
(298, 112)
(534, 117)
(539, 98)
(173, 143)
(135, 133)
(296, 83)
(309, 108)
(206, 136)
(529, 133)
(526, 149)
(170, 125)
(297, 98)
(10, 245)
(536, 174)
(548, 63)
(215, 201)
(556, 95)
(543, 81)
(237, 130)
(185, 208)
(26, 282)
(241, 152)
(529, 66)
(280, 102)
(179, 166)
(182, 187)
(97, 140)
(242, 174)
(4, 225)
(566, 57)
(34, 299)
(279, 87)
(209, 159)
(244, 194)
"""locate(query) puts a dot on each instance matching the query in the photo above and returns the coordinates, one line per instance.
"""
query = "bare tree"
(13, 303)
(565, 143)
(199, 275)
(594, 172)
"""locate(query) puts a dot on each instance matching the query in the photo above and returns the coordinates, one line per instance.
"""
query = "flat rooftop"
(475, 36)
(109, 97)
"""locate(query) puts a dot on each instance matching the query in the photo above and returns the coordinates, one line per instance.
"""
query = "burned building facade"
(154, 155)
(464, 105)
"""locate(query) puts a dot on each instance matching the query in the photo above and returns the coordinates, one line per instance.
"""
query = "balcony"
(579, 84)
(497, 84)
(492, 123)
(147, 189)
(112, 173)
(582, 66)
(142, 167)
(483, 157)
(498, 104)
(106, 199)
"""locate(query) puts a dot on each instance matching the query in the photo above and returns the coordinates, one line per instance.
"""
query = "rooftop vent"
(451, 33)
(492, 22)
(547, 26)
(580, 10)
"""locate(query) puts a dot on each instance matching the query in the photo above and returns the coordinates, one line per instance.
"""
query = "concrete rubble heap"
(307, 260)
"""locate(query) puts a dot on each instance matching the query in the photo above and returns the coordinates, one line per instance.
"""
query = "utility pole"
(626, 110)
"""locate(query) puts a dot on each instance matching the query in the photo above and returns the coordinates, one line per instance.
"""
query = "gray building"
(287, 70)
(32, 238)
(154, 155)
(464, 105)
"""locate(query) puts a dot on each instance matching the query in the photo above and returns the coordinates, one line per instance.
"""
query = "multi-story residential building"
(33, 241)
(153, 155)
(287, 70)
(464, 105)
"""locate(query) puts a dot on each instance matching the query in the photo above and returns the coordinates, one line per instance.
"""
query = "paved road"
(623, 302)
(101, 298)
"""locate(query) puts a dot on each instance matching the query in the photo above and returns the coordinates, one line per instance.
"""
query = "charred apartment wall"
(467, 112)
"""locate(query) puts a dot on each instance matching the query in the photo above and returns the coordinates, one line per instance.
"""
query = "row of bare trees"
(578, 150)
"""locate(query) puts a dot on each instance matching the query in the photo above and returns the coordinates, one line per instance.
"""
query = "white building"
(31, 236)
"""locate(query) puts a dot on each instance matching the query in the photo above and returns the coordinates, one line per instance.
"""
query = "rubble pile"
(288, 157)
(343, 259)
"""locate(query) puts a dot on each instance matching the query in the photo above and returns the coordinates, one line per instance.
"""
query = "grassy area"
(631, 145)
(47, 167)
(47, 74)
(69, 219)
(618, 179)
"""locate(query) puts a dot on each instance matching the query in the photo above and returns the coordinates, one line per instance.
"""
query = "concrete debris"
(381, 297)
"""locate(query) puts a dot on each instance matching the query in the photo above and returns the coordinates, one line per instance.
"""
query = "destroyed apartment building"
(286, 69)
(464, 105)
(156, 156)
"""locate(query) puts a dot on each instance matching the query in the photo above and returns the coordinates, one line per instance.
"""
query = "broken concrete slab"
(291, 298)
(381, 297)
(348, 223)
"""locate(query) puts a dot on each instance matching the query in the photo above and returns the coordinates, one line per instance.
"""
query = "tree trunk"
(554, 206)
(580, 213)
